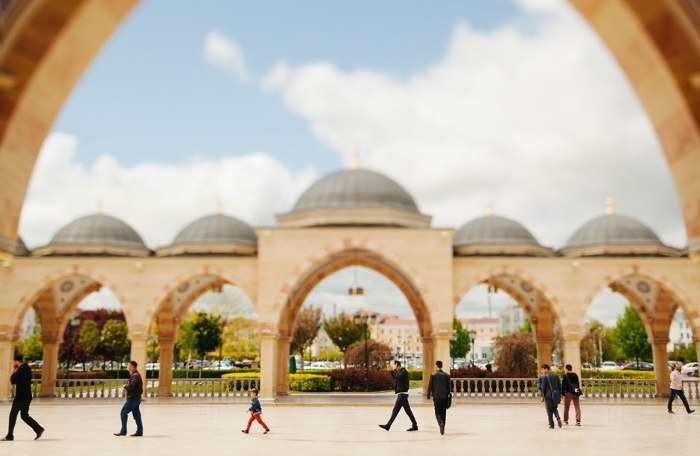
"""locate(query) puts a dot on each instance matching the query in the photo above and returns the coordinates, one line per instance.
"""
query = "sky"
(246, 104)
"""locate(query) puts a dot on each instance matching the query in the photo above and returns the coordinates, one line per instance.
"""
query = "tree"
(343, 331)
(379, 354)
(33, 348)
(89, 338)
(631, 336)
(306, 329)
(685, 353)
(592, 343)
(460, 346)
(207, 335)
(115, 340)
(515, 354)
(240, 336)
(153, 347)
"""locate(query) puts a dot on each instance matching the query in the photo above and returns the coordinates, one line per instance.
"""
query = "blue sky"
(248, 103)
(148, 95)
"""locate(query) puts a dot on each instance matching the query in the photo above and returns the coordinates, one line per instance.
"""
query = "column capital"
(660, 341)
(51, 340)
(135, 337)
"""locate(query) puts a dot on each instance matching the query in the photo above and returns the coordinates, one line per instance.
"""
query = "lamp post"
(472, 337)
(365, 319)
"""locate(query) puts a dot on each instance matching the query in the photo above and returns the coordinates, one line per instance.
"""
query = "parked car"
(153, 366)
(687, 369)
(319, 365)
(638, 365)
(609, 365)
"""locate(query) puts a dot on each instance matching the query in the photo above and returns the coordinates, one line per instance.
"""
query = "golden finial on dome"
(219, 207)
(99, 206)
(355, 158)
(489, 208)
(609, 205)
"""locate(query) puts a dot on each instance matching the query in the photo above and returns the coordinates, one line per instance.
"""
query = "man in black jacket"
(134, 389)
(439, 388)
(401, 389)
(22, 379)
(550, 390)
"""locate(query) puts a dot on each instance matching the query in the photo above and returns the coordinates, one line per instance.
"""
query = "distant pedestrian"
(677, 389)
(22, 379)
(571, 388)
(255, 412)
(551, 394)
(400, 376)
(439, 388)
(134, 390)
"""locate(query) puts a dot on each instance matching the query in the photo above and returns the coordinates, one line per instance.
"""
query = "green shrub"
(242, 375)
(616, 374)
(415, 374)
(309, 383)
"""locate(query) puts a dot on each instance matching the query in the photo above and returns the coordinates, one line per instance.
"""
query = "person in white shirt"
(677, 389)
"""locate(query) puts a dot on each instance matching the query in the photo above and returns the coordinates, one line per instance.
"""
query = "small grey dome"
(21, 248)
(493, 229)
(355, 188)
(613, 229)
(215, 229)
(98, 229)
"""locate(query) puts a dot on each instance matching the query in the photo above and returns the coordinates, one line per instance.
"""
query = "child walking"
(255, 412)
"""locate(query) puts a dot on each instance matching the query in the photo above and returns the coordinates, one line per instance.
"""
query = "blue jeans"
(402, 402)
(132, 407)
(680, 394)
(440, 409)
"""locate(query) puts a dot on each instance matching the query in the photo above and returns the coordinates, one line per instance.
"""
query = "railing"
(523, 388)
(180, 387)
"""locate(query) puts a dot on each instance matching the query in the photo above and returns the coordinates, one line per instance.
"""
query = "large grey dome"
(493, 229)
(613, 230)
(98, 229)
(355, 188)
(216, 229)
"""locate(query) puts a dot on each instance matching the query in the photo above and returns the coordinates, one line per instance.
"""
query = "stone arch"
(74, 296)
(318, 266)
(666, 285)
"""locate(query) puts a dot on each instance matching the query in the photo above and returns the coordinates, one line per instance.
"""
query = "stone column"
(49, 367)
(7, 353)
(428, 361)
(572, 353)
(544, 351)
(268, 366)
(165, 375)
(139, 344)
(661, 374)
(283, 346)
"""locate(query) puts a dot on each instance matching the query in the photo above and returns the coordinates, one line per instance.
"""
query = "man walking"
(22, 379)
(677, 389)
(400, 376)
(571, 388)
(134, 389)
(439, 388)
(551, 394)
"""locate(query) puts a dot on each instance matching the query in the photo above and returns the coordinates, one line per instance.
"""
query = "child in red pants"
(255, 412)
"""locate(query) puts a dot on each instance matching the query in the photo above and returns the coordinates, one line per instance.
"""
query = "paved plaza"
(177, 428)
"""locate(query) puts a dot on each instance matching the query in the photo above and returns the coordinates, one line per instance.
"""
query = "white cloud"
(157, 200)
(222, 52)
(541, 121)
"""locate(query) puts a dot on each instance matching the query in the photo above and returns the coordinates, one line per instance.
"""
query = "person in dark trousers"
(677, 389)
(22, 379)
(255, 412)
(550, 383)
(400, 376)
(568, 384)
(134, 390)
(439, 389)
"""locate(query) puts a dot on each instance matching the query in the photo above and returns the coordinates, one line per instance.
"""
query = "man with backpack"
(550, 393)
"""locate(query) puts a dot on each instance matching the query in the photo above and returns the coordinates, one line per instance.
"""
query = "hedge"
(354, 380)
(616, 374)
(309, 383)
(415, 374)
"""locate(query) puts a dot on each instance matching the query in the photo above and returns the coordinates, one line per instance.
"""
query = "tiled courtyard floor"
(203, 429)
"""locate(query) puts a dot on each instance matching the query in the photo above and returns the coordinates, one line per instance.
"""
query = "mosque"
(350, 217)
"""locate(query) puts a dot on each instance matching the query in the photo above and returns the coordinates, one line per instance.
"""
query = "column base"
(47, 395)
(164, 395)
(664, 395)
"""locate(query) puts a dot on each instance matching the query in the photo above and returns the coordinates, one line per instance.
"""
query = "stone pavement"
(197, 428)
